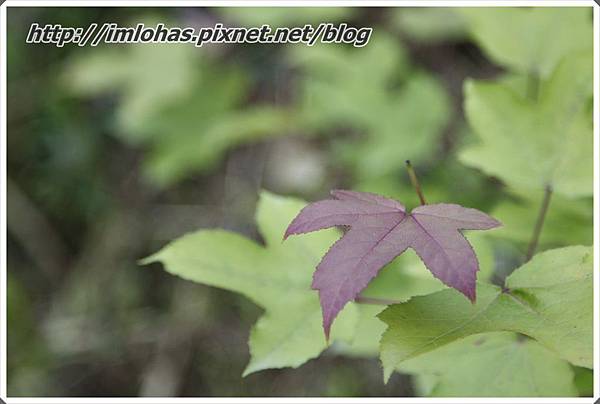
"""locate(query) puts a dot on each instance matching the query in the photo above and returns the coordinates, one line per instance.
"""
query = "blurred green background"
(116, 150)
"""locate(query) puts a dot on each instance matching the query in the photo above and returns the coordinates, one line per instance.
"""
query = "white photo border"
(288, 3)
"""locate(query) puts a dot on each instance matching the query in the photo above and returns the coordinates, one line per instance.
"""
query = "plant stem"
(415, 182)
(375, 300)
(539, 223)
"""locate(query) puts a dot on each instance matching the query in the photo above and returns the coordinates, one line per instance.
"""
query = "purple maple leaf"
(380, 230)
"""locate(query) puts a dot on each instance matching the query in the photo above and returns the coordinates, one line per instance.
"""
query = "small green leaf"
(530, 144)
(549, 299)
(492, 365)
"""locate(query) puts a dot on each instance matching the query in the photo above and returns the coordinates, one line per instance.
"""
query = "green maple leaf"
(534, 143)
(529, 40)
(549, 299)
(498, 364)
(276, 277)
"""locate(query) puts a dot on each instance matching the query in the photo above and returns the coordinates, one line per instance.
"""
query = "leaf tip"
(148, 260)
(387, 373)
(327, 322)
(288, 232)
(250, 368)
(472, 296)
(327, 330)
(495, 223)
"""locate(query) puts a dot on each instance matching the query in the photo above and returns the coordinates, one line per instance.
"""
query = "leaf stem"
(535, 237)
(415, 182)
(374, 300)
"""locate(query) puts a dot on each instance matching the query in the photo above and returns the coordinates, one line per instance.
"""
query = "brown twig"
(415, 182)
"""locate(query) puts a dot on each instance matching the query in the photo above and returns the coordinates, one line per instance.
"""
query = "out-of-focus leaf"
(187, 124)
(430, 24)
(530, 39)
(567, 222)
(534, 143)
(197, 145)
(147, 77)
(495, 364)
(406, 127)
(276, 277)
(398, 113)
(549, 299)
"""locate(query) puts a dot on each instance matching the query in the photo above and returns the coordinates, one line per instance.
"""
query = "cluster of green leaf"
(534, 131)
(290, 334)
(382, 102)
(185, 122)
(532, 128)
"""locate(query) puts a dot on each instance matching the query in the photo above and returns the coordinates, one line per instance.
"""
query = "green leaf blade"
(499, 364)
(529, 40)
(547, 141)
(276, 277)
(549, 299)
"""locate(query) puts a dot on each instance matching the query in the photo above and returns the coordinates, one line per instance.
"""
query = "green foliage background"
(116, 151)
